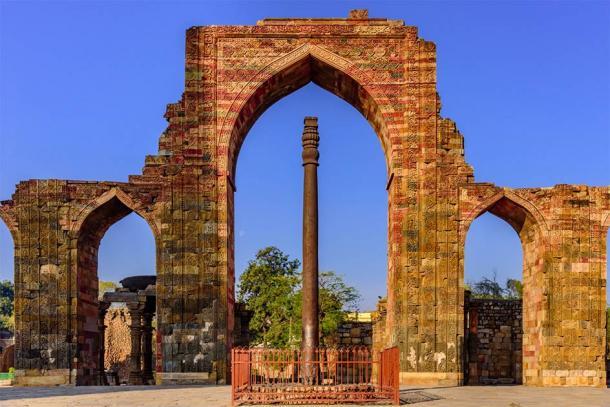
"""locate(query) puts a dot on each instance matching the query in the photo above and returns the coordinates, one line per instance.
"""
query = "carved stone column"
(147, 350)
(103, 309)
(135, 328)
(310, 332)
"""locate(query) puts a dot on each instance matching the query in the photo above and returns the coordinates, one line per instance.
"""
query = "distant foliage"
(267, 287)
(335, 299)
(106, 286)
(271, 289)
(489, 288)
(7, 310)
(514, 289)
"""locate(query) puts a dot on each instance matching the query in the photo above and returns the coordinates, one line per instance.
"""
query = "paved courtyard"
(216, 396)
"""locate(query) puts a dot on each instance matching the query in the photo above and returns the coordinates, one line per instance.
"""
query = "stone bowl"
(135, 283)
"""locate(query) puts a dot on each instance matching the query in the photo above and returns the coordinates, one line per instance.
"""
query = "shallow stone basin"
(135, 283)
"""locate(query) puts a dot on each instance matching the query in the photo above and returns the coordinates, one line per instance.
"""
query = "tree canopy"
(270, 287)
(7, 309)
(491, 289)
(105, 286)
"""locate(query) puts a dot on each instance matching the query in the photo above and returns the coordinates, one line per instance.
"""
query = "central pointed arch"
(379, 104)
(307, 63)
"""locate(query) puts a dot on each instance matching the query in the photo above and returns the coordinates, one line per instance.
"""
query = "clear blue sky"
(83, 88)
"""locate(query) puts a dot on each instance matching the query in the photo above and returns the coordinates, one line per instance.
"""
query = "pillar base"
(570, 378)
(36, 377)
(135, 379)
(187, 378)
(148, 378)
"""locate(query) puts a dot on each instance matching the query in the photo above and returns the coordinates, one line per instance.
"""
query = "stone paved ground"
(217, 396)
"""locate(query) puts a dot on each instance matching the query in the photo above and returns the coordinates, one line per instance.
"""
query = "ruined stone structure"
(357, 329)
(117, 344)
(494, 341)
(185, 193)
(138, 296)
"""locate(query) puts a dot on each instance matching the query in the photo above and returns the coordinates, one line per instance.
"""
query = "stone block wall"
(494, 340)
(354, 333)
(357, 329)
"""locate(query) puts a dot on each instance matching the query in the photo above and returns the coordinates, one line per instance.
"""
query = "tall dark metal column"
(310, 335)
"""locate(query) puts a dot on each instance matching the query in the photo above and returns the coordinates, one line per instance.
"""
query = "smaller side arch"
(130, 203)
(533, 232)
(86, 231)
(9, 217)
(504, 193)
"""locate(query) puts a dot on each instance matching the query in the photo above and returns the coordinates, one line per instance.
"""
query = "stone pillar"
(104, 305)
(135, 360)
(147, 350)
(310, 333)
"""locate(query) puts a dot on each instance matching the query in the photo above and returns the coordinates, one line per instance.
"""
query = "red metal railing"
(343, 375)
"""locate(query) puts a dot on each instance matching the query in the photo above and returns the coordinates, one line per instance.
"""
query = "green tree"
(267, 287)
(271, 289)
(490, 288)
(7, 297)
(514, 289)
(487, 288)
(106, 286)
(335, 299)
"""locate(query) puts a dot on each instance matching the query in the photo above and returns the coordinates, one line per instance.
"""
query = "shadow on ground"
(414, 396)
(16, 393)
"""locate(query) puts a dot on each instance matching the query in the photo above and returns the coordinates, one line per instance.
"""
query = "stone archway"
(88, 229)
(7, 347)
(307, 63)
(530, 226)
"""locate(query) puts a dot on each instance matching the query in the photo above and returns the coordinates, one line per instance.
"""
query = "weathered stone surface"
(118, 343)
(185, 193)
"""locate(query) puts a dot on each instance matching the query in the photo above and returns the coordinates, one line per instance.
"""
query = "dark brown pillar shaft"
(310, 335)
(147, 370)
(135, 330)
(102, 381)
